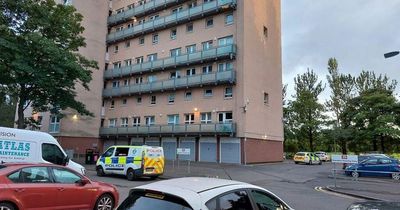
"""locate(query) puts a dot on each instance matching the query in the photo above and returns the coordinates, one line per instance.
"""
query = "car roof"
(15, 166)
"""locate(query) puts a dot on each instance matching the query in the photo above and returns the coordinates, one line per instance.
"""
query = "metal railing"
(153, 6)
(176, 83)
(173, 62)
(212, 128)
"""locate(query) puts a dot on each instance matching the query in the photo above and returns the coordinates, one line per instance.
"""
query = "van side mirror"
(65, 161)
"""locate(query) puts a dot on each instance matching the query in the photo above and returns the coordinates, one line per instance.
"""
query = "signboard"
(16, 151)
(183, 151)
(353, 159)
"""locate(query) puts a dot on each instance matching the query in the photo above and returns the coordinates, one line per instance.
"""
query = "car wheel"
(100, 171)
(130, 174)
(105, 202)
(396, 176)
(310, 162)
(7, 206)
(296, 162)
(355, 174)
(320, 162)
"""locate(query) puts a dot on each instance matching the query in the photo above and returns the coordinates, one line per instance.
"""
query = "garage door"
(152, 142)
(208, 150)
(230, 150)
(191, 144)
(107, 144)
(169, 146)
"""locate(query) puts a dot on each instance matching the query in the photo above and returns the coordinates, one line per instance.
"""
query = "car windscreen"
(145, 200)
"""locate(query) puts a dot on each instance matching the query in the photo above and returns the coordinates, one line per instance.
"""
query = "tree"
(7, 110)
(306, 112)
(39, 60)
(342, 90)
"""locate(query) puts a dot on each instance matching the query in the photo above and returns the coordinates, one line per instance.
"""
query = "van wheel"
(153, 177)
(130, 174)
(100, 171)
(7, 206)
(105, 202)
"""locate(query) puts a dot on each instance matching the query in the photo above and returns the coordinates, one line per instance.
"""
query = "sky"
(356, 32)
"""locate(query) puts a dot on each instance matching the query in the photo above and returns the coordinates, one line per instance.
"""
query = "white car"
(195, 193)
(323, 156)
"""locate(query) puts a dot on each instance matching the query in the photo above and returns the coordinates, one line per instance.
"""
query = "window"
(139, 100)
(136, 121)
(265, 201)
(153, 100)
(208, 92)
(372, 161)
(174, 74)
(176, 10)
(67, 2)
(120, 10)
(155, 38)
(207, 45)
(142, 201)
(175, 52)
(124, 122)
(115, 84)
(266, 98)
(54, 124)
(207, 1)
(173, 34)
(209, 22)
(117, 65)
(190, 72)
(151, 78)
(191, 49)
(141, 21)
(154, 17)
(150, 120)
(126, 82)
(228, 19)
(139, 60)
(15, 177)
(384, 161)
(228, 92)
(189, 28)
(141, 40)
(225, 41)
(121, 151)
(192, 4)
(128, 62)
(124, 101)
(265, 32)
(171, 98)
(225, 117)
(235, 200)
(226, 66)
(207, 69)
(127, 44)
(109, 152)
(116, 49)
(152, 57)
(131, 6)
(34, 175)
(64, 176)
(189, 118)
(130, 25)
(112, 104)
(112, 123)
(188, 96)
(52, 154)
(205, 117)
(173, 119)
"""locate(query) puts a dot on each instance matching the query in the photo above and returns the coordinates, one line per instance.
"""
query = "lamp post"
(391, 54)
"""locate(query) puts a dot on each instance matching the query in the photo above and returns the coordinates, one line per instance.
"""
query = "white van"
(18, 145)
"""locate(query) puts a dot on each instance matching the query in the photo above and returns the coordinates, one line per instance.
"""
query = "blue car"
(375, 166)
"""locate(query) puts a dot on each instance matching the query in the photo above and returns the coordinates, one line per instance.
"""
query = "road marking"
(321, 189)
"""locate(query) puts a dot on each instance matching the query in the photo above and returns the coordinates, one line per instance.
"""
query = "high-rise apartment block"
(199, 74)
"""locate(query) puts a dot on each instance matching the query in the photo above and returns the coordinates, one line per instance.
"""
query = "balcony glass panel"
(154, 129)
(167, 128)
(182, 59)
(208, 128)
(125, 90)
(209, 53)
(168, 84)
(179, 128)
(145, 87)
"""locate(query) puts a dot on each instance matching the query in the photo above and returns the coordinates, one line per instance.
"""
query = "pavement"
(301, 186)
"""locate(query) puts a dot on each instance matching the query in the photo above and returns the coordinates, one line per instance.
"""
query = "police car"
(307, 157)
(132, 161)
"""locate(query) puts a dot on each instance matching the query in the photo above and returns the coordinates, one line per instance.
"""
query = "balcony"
(221, 52)
(142, 10)
(173, 84)
(222, 129)
(183, 16)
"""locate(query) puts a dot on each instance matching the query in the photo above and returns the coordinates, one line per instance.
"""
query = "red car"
(47, 186)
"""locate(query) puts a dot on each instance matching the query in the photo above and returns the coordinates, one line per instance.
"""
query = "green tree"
(342, 90)
(7, 110)
(307, 114)
(39, 60)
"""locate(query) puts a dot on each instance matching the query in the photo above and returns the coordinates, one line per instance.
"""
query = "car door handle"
(19, 190)
(61, 189)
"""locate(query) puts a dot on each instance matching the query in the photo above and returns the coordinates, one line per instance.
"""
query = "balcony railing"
(226, 51)
(141, 10)
(227, 129)
(187, 15)
(176, 83)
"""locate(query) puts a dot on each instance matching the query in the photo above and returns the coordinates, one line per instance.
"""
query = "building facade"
(199, 74)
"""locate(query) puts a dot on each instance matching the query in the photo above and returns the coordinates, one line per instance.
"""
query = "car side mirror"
(83, 182)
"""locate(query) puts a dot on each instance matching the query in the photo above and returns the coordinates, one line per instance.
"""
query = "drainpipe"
(244, 150)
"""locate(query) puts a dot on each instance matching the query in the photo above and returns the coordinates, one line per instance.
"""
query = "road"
(296, 184)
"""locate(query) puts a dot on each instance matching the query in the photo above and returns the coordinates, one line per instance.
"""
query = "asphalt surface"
(301, 186)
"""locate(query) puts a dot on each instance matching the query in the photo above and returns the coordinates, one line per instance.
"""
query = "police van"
(18, 145)
(132, 161)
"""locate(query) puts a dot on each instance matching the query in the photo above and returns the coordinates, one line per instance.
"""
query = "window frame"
(55, 127)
